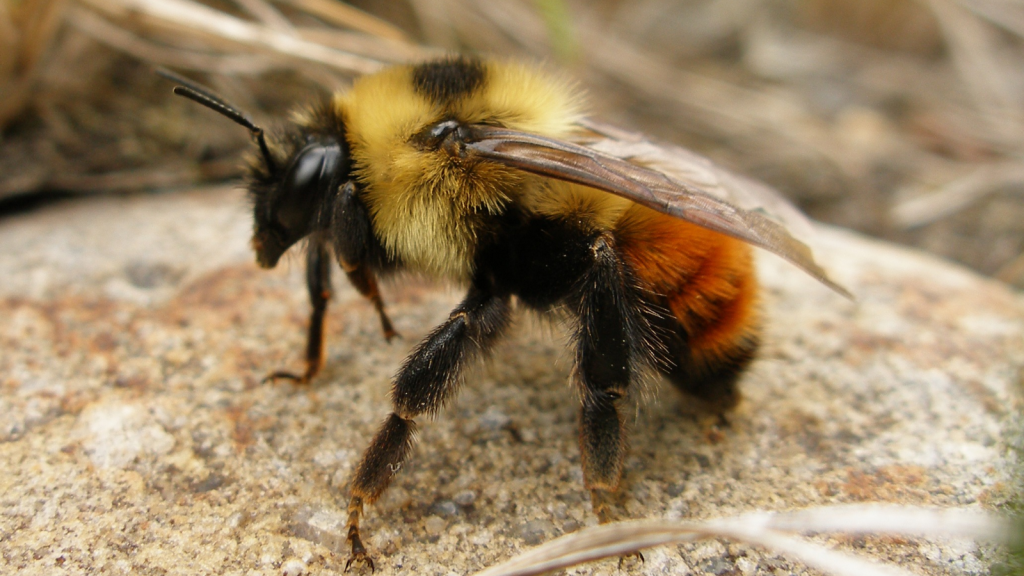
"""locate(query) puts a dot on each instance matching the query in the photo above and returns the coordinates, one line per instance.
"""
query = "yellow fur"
(524, 98)
(423, 202)
(566, 200)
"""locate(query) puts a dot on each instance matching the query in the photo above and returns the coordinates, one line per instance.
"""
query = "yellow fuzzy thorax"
(425, 204)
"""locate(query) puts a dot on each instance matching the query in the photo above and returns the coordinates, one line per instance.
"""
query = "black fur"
(602, 442)
(289, 204)
(292, 185)
(352, 232)
(364, 281)
(431, 373)
(716, 382)
(318, 283)
(383, 458)
(540, 260)
(426, 381)
(545, 262)
(609, 325)
(347, 229)
(302, 187)
(359, 250)
(447, 81)
(611, 337)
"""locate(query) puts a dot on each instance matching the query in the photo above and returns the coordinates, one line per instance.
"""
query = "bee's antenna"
(202, 95)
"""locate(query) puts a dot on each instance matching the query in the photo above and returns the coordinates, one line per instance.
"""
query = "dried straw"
(199, 21)
(26, 33)
(768, 530)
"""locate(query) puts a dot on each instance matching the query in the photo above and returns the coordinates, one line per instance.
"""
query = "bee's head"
(289, 186)
(289, 196)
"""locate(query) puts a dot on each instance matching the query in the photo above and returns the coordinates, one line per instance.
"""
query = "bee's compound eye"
(314, 165)
(307, 180)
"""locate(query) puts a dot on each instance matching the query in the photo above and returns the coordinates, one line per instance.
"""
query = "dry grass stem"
(768, 530)
(958, 194)
(170, 176)
(118, 38)
(382, 49)
(897, 138)
(350, 17)
(436, 19)
(1007, 15)
(268, 15)
(186, 16)
(1012, 272)
(975, 54)
(9, 37)
(39, 24)
(32, 27)
(706, 103)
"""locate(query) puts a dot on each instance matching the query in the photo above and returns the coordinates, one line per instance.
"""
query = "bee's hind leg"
(613, 339)
(610, 335)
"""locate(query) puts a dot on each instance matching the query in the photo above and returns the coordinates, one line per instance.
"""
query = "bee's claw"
(360, 558)
(359, 555)
(628, 561)
(389, 331)
(285, 375)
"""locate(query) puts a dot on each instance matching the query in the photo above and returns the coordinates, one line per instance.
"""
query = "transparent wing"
(697, 191)
(695, 171)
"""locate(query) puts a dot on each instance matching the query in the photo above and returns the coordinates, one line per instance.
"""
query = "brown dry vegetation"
(900, 118)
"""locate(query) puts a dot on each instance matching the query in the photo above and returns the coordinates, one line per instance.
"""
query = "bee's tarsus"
(626, 560)
(284, 375)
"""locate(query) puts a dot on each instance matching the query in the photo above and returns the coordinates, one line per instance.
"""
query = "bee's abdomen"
(705, 281)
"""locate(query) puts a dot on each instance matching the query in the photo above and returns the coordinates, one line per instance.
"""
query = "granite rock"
(137, 437)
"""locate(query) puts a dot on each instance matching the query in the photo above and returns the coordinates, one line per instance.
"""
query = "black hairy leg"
(364, 281)
(318, 282)
(553, 262)
(359, 251)
(614, 342)
(427, 380)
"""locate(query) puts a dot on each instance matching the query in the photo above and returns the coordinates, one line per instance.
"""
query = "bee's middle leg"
(427, 380)
(364, 281)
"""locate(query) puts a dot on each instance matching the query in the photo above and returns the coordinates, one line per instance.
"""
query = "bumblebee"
(487, 173)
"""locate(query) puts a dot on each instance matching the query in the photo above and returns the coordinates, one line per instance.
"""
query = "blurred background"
(903, 119)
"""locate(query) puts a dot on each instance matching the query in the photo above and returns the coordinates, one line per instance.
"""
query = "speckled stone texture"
(136, 435)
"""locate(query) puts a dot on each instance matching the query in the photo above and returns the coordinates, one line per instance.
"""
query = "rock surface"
(136, 435)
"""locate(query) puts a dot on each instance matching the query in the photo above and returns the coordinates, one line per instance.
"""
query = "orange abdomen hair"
(707, 281)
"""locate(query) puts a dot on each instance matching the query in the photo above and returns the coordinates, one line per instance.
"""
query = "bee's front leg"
(318, 282)
(425, 383)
